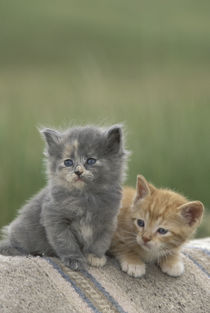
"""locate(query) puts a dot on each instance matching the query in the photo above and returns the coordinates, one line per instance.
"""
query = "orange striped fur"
(134, 245)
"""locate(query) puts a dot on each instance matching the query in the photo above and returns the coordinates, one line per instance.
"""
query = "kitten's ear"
(192, 212)
(142, 188)
(52, 138)
(114, 139)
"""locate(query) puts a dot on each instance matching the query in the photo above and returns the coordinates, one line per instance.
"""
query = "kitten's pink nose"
(146, 239)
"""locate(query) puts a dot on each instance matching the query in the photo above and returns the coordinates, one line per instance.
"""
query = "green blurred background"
(144, 63)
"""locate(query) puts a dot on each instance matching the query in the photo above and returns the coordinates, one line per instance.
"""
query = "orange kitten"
(153, 224)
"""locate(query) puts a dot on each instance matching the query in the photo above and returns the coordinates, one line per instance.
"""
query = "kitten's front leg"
(96, 253)
(172, 265)
(131, 264)
(66, 246)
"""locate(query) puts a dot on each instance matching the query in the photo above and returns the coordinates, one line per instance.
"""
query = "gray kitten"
(74, 216)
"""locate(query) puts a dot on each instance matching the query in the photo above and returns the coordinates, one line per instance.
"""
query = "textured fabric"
(34, 284)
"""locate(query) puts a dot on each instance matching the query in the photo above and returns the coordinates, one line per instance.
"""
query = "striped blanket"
(34, 284)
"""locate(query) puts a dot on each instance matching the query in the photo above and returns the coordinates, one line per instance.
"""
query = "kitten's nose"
(78, 171)
(146, 239)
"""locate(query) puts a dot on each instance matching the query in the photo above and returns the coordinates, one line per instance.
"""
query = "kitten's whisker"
(127, 232)
(128, 240)
(129, 235)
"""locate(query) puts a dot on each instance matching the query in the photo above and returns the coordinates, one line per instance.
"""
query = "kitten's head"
(163, 220)
(85, 156)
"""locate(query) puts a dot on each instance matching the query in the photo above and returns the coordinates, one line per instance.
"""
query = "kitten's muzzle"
(146, 239)
(78, 171)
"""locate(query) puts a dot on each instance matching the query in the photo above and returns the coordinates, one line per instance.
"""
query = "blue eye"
(140, 223)
(68, 162)
(91, 161)
(162, 231)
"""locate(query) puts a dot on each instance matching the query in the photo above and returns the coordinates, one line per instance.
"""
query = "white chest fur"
(86, 229)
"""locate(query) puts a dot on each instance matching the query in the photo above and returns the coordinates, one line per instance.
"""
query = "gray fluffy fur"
(70, 217)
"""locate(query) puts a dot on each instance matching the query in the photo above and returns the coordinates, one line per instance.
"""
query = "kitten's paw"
(135, 270)
(73, 264)
(174, 270)
(95, 261)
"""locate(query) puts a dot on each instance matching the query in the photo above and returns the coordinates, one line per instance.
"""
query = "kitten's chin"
(75, 181)
(78, 183)
(145, 246)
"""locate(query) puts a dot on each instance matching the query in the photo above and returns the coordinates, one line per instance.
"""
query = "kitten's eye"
(140, 223)
(91, 161)
(162, 231)
(68, 162)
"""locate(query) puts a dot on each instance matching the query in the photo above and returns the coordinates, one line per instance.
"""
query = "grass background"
(144, 63)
